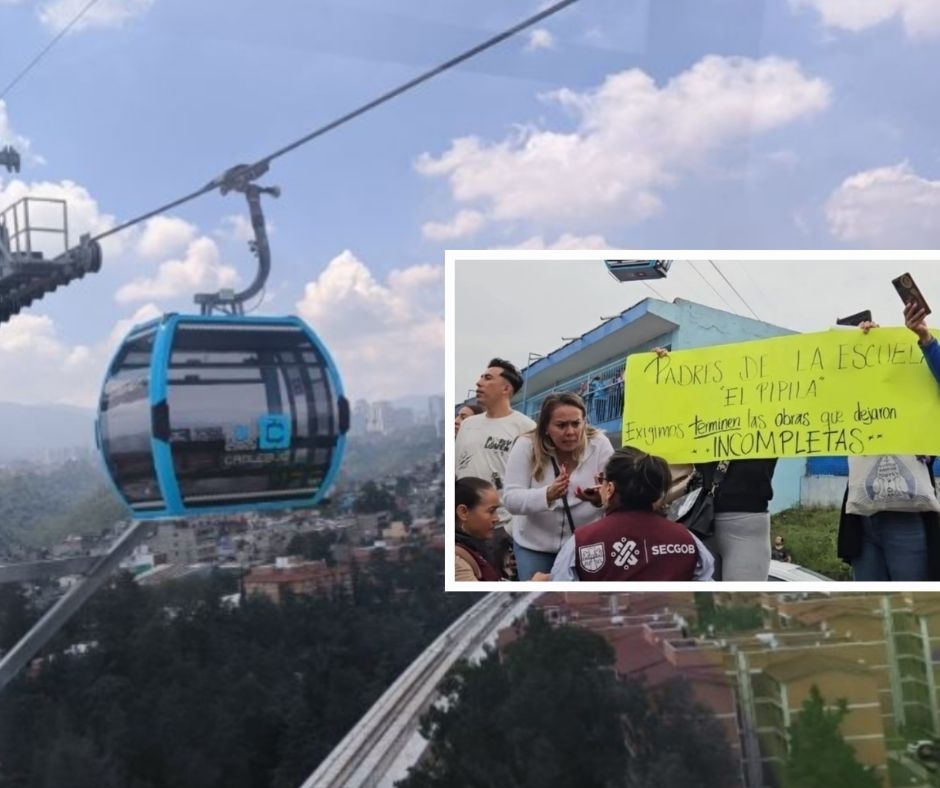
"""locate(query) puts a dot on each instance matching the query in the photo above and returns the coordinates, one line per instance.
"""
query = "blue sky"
(679, 124)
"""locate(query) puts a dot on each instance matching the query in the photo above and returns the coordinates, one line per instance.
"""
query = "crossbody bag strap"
(564, 498)
(720, 472)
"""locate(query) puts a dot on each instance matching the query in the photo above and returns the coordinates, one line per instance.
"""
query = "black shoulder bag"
(696, 509)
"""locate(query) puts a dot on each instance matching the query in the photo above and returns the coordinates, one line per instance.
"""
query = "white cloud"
(464, 223)
(540, 38)
(200, 270)
(48, 370)
(55, 15)
(921, 18)
(887, 207)
(565, 241)
(237, 227)
(387, 338)
(164, 235)
(632, 140)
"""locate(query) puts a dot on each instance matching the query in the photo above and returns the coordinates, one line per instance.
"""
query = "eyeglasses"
(599, 478)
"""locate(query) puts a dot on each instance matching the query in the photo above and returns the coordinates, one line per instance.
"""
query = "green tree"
(819, 757)
(373, 498)
(15, 615)
(552, 712)
(178, 690)
(675, 742)
(403, 515)
(314, 546)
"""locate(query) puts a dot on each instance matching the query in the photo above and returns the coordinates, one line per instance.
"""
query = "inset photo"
(732, 419)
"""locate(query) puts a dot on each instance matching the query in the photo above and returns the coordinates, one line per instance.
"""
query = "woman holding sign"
(742, 518)
(549, 482)
(743, 491)
(889, 528)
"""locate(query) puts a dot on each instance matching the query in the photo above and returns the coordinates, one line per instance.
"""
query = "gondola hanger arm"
(240, 178)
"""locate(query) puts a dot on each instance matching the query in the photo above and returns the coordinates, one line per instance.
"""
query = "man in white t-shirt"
(484, 441)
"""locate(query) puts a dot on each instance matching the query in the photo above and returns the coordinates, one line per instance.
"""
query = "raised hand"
(590, 494)
(915, 318)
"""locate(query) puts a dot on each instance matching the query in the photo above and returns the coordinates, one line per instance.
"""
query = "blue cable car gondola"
(218, 413)
(637, 270)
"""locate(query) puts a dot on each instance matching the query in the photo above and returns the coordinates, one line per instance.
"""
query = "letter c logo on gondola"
(274, 432)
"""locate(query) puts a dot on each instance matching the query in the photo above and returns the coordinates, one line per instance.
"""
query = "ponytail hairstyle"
(469, 491)
(639, 479)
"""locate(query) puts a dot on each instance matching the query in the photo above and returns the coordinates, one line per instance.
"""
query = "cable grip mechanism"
(240, 178)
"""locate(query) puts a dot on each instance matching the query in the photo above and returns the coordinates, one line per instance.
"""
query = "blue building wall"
(697, 326)
(839, 466)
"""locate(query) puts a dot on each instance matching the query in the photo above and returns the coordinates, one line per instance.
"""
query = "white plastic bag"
(889, 483)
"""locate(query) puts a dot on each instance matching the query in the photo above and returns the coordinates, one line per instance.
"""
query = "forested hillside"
(39, 507)
(180, 690)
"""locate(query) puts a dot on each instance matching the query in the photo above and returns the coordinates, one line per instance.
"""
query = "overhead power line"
(705, 280)
(728, 282)
(261, 164)
(655, 291)
(58, 37)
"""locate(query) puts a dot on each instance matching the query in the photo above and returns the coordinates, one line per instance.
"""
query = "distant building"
(69, 547)
(365, 555)
(303, 577)
(140, 560)
(436, 413)
(781, 688)
(396, 533)
(361, 418)
(398, 419)
(381, 411)
(191, 542)
(881, 653)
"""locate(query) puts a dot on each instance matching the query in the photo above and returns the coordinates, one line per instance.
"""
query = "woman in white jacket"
(549, 481)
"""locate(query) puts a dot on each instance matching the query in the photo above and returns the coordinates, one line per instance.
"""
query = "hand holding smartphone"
(910, 292)
(590, 494)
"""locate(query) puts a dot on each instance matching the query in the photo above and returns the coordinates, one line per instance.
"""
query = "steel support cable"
(58, 37)
(385, 97)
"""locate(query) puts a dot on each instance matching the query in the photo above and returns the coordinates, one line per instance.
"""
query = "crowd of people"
(552, 499)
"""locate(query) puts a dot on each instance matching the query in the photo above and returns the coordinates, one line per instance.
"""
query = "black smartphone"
(909, 291)
(855, 320)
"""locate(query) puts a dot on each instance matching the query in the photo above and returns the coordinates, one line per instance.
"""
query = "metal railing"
(18, 223)
(600, 388)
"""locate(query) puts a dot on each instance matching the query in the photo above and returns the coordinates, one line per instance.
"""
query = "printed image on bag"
(890, 483)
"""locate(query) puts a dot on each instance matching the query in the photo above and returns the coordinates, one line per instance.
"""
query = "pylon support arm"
(63, 610)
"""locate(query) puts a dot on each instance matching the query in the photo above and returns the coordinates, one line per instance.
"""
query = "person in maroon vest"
(477, 513)
(633, 541)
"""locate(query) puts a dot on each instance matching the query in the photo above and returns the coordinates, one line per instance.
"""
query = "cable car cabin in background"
(633, 270)
(203, 414)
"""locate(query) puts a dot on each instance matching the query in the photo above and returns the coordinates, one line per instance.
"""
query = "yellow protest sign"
(835, 392)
